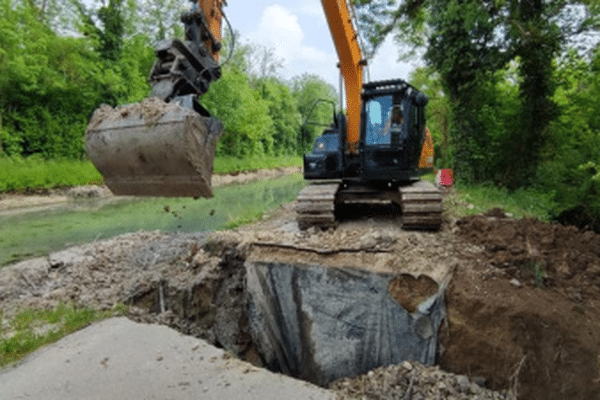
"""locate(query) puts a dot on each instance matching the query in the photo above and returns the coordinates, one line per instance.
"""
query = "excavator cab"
(392, 131)
(391, 138)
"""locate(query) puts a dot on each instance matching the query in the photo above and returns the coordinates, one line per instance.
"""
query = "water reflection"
(57, 227)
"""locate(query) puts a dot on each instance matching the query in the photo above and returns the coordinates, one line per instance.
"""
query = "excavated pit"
(313, 321)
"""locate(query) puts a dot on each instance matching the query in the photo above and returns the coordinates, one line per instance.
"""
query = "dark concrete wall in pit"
(321, 323)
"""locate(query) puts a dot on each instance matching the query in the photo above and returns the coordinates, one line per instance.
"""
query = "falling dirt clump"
(524, 307)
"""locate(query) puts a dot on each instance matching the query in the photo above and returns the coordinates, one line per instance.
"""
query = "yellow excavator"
(165, 145)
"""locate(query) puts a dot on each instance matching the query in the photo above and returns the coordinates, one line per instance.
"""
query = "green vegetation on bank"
(19, 174)
(32, 328)
(465, 200)
(34, 173)
(476, 199)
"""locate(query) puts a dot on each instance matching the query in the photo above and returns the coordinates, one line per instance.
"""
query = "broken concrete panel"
(321, 323)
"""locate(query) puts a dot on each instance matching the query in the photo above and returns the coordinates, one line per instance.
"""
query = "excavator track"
(316, 205)
(421, 206)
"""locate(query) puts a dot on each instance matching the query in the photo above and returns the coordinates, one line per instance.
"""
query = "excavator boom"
(351, 64)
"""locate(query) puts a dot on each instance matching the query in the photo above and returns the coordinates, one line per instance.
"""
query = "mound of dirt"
(524, 307)
(412, 380)
(539, 254)
(150, 109)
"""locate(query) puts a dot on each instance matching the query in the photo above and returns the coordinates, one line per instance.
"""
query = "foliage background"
(61, 59)
(513, 87)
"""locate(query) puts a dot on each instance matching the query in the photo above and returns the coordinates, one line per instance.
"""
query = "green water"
(39, 233)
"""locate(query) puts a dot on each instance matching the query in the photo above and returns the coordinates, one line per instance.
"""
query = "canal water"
(39, 233)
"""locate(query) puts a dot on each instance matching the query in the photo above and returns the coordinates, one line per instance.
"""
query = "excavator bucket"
(153, 149)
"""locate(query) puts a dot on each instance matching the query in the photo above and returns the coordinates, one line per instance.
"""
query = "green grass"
(522, 203)
(227, 165)
(429, 177)
(246, 219)
(32, 328)
(34, 173)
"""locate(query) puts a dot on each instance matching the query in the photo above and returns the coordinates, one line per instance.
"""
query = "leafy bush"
(571, 167)
(229, 164)
(35, 173)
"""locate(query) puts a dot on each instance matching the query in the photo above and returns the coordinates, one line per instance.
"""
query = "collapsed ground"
(523, 300)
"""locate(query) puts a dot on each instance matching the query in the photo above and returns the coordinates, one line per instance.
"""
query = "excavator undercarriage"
(420, 203)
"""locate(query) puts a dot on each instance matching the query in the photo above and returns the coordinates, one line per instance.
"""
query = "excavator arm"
(350, 62)
(187, 67)
(165, 145)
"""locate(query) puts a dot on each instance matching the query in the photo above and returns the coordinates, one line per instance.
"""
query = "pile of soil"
(524, 307)
(150, 109)
(412, 380)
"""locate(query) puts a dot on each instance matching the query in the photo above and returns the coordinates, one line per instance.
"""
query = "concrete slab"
(120, 359)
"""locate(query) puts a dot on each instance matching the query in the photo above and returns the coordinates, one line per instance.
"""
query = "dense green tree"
(283, 110)
(535, 39)
(50, 84)
(262, 66)
(244, 114)
(571, 158)
(45, 83)
(461, 49)
(469, 43)
(105, 26)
